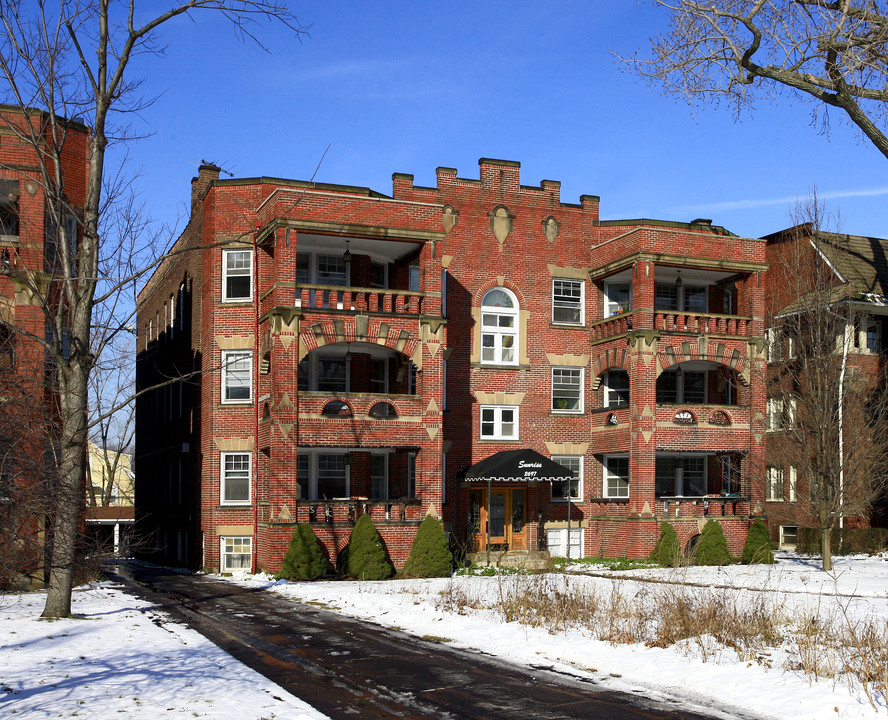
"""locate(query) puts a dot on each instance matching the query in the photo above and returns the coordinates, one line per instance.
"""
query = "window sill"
(234, 506)
(568, 413)
(609, 500)
(493, 366)
(499, 440)
(238, 301)
(567, 326)
(563, 501)
(236, 403)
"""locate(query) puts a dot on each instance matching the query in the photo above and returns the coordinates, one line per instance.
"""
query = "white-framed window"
(774, 483)
(781, 413)
(411, 475)
(560, 545)
(237, 275)
(616, 476)
(559, 490)
(616, 388)
(567, 301)
(682, 298)
(236, 476)
(617, 298)
(331, 270)
(499, 328)
(324, 373)
(791, 488)
(379, 477)
(682, 386)
(322, 475)
(236, 553)
(788, 537)
(499, 422)
(567, 390)
(237, 376)
(680, 475)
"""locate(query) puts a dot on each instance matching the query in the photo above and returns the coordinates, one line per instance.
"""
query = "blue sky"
(410, 86)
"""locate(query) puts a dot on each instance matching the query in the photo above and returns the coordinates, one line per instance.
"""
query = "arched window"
(383, 410)
(336, 407)
(499, 328)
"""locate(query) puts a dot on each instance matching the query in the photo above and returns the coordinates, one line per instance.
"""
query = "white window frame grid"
(497, 422)
(312, 467)
(492, 327)
(670, 290)
(234, 363)
(781, 412)
(242, 541)
(240, 271)
(374, 266)
(614, 307)
(774, 483)
(610, 476)
(568, 295)
(784, 544)
(578, 386)
(225, 478)
(379, 482)
(679, 484)
(556, 542)
(568, 461)
(611, 396)
(680, 383)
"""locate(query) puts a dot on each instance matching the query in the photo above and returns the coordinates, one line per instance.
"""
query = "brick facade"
(28, 268)
(354, 352)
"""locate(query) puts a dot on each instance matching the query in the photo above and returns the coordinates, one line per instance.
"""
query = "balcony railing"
(610, 326)
(700, 323)
(359, 299)
(672, 321)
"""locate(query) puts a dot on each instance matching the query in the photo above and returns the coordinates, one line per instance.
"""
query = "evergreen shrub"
(666, 551)
(757, 550)
(430, 554)
(367, 556)
(305, 559)
(712, 548)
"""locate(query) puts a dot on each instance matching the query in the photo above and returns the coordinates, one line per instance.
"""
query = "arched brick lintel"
(358, 329)
(716, 352)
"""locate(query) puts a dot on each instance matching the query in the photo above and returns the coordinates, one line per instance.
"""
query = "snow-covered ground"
(121, 657)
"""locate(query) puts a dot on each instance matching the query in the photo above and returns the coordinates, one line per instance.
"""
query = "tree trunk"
(68, 500)
(826, 549)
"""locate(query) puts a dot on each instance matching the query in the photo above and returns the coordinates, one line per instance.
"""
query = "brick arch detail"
(716, 352)
(374, 332)
(612, 358)
(495, 283)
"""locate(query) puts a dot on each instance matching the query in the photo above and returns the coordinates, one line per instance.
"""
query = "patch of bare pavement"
(347, 668)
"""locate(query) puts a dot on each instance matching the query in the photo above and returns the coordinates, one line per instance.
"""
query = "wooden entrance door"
(502, 519)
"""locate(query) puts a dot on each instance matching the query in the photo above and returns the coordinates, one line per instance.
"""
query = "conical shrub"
(667, 550)
(712, 548)
(757, 549)
(430, 554)
(305, 558)
(367, 557)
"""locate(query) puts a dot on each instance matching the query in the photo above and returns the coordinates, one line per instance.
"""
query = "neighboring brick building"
(28, 265)
(839, 284)
(318, 351)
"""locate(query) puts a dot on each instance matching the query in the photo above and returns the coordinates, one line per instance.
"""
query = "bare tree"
(72, 59)
(833, 53)
(828, 399)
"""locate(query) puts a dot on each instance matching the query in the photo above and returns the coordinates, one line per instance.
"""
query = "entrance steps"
(520, 559)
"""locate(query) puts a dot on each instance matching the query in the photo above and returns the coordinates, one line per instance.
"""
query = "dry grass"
(824, 641)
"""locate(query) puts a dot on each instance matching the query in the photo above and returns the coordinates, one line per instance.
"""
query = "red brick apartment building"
(851, 273)
(28, 263)
(311, 352)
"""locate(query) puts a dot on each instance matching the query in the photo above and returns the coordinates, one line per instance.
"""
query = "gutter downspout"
(256, 362)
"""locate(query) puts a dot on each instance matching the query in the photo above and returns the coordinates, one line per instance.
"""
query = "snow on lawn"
(122, 658)
(767, 683)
